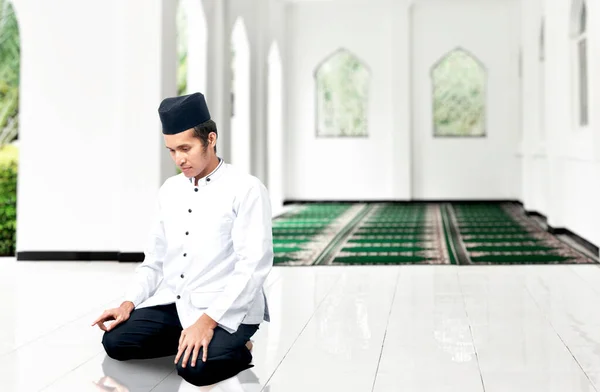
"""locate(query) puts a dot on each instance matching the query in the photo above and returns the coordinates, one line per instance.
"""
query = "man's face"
(188, 153)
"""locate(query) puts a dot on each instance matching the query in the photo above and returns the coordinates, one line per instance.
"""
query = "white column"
(401, 140)
(259, 90)
(558, 103)
(90, 133)
(68, 189)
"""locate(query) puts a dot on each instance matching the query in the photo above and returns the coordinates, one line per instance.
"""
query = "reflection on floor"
(532, 328)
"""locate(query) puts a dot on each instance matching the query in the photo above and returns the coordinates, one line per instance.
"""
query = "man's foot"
(249, 345)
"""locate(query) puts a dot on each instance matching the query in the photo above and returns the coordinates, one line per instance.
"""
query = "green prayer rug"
(415, 233)
(301, 234)
(504, 234)
(395, 234)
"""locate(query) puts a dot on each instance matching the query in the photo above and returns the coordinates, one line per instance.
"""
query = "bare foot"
(249, 345)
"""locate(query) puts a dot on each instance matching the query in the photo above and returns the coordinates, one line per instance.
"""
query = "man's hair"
(202, 131)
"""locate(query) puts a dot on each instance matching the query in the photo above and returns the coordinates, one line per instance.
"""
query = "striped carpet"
(415, 233)
(501, 234)
(300, 235)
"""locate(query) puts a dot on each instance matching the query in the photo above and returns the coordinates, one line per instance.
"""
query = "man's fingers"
(117, 320)
(179, 352)
(204, 351)
(195, 354)
(186, 356)
(106, 316)
(181, 337)
(102, 326)
(99, 319)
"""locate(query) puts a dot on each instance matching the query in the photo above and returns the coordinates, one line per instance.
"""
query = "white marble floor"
(409, 328)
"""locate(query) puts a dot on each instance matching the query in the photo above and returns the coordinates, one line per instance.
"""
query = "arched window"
(459, 88)
(182, 48)
(342, 87)
(240, 97)
(191, 47)
(580, 74)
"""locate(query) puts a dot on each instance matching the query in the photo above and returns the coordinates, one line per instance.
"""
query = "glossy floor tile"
(360, 328)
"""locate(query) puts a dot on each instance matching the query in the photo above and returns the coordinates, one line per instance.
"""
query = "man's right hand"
(117, 315)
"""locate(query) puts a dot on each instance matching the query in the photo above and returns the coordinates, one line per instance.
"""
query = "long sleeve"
(149, 274)
(253, 244)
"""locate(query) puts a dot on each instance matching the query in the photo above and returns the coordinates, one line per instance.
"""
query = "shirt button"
(189, 210)
(196, 189)
(178, 297)
(208, 180)
(185, 254)
(187, 233)
(181, 276)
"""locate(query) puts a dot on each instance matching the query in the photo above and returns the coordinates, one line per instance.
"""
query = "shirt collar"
(214, 175)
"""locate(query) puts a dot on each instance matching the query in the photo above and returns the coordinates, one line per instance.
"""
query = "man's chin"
(189, 173)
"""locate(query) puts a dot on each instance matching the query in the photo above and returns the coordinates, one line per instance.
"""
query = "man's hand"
(119, 315)
(192, 338)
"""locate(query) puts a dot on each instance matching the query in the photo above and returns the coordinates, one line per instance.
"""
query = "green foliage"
(8, 153)
(10, 55)
(182, 75)
(8, 207)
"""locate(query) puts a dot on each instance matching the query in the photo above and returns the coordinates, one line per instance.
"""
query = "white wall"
(382, 166)
(467, 168)
(90, 136)
(561, 162)
(340, 168)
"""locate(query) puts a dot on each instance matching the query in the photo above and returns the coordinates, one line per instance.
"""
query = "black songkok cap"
(179, 114)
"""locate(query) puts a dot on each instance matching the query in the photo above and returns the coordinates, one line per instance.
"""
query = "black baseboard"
(465, 201)
(591, 247)
(594, 249)
(537, 214)
(131, 257)
(79, 256)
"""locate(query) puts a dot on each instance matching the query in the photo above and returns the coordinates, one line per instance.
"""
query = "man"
(199, 292)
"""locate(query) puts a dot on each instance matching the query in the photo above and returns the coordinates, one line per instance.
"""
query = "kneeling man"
(199, 293)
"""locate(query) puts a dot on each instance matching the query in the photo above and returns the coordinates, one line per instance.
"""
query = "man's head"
(189, 133)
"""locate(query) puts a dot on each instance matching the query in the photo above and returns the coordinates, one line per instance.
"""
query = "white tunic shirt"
(210, 251)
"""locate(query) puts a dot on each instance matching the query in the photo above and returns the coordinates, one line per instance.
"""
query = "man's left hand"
(193, 338)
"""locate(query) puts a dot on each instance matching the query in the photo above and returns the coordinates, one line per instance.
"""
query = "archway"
(191, 47)
(240, 97)
(580, 62)
(275, 129)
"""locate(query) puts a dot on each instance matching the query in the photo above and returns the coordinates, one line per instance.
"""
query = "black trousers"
(154, 332)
